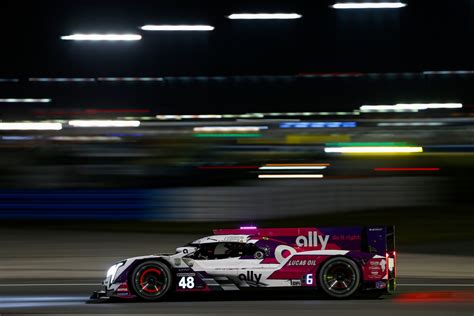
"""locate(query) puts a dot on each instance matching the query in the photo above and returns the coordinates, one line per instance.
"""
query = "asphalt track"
(414, 297)
(43, 274)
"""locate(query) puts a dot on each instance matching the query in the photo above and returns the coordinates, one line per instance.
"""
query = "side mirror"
(261, 253)
(258, 254)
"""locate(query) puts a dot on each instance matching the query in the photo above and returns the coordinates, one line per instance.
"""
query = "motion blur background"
(201, 112)
(339, 117)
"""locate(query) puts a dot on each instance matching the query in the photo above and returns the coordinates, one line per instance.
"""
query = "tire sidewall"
(157, 264)
(357, 280)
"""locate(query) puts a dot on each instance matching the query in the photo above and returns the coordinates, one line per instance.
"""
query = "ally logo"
(312, 240)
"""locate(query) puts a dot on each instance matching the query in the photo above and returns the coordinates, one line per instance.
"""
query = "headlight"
(113, 270)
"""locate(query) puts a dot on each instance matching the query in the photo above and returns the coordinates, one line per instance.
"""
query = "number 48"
(186, 282)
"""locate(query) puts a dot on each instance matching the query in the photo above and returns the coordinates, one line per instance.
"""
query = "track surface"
(454, 298)
(54, 272)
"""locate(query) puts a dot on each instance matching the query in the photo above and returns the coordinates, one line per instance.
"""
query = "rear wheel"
(151, 280)
(339, 277)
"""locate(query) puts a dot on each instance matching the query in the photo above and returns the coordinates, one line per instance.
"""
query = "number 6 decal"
(309, 279)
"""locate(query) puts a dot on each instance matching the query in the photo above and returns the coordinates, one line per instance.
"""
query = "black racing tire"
(151, 280)
(339, 278)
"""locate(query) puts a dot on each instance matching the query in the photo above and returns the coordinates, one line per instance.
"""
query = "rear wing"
(371, 239)
(380, 239)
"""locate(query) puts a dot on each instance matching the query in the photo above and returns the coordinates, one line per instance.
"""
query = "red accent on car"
(142, 283)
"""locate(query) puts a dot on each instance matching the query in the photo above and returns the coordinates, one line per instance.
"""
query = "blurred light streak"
(98, 111)
(290, 176)
(33, 126)
(264, 16)
(406, 169)
(411, 124)
(86, 138)
(250, 115)
(227, 135)
(367, 144)
(229, 128)
(436, 297)
(130, 79)
(177, 28)
(375, 150)
(9, 80)
(318, 125)
(294, 167)
(102, 37)
(27, 100)
(356, 112)
(42, 79)
(103, 123)
(293, 113)
(208, 116)
(189, 116)
(226, 167)
(409, 107)
(318, 139)
(298, 164)
(169, 117)
(248, 227)
(17, 137)
(449, 72)
(369, 5)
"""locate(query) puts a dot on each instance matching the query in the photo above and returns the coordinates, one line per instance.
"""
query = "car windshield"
(219, 250)
(223, 250)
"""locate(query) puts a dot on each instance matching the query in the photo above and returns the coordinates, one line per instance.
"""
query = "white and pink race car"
(340, 262)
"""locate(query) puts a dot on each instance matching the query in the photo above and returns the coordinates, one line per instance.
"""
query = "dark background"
(241, 66)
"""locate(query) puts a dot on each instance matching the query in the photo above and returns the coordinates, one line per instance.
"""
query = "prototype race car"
(338, 261)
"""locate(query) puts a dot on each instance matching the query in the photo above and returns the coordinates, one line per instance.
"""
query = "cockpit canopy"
(222, 247)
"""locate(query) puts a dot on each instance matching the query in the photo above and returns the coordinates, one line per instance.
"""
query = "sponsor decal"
(375, 268)
(185, 274)
(251, 276)
(312, 240)
(283, 251)
(235, 238)
(302, 262)
(295, 282)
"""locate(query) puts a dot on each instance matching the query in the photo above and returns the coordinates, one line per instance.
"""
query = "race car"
(340, 262)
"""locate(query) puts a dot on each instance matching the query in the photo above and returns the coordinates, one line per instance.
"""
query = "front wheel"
(339, 277)
(151, 280)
